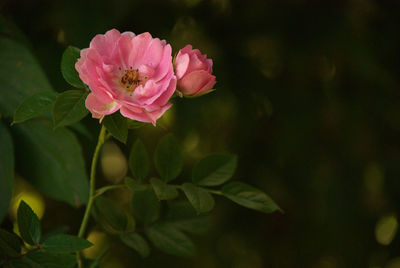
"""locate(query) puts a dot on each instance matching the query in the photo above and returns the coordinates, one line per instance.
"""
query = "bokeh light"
(113, 162)
(386, 229)
(100, 244)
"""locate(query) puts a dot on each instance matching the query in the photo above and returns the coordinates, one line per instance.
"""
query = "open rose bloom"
(135, 75)
(127, 72)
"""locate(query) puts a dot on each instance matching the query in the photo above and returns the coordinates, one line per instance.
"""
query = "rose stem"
(100, 142)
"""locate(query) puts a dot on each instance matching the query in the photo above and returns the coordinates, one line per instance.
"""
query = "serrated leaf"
(6, 169)
(136, 242)
(10, 243)
(171, 240)
(249, 197)
(69, 107)
(117, 125)
(61, 229)
(133, 124)
(139, 162)
(214, 169)
(68, 60)
(52, 161)
(146, 206)
(64, 243)
(168, 158)
(201, 200)
(42, 259)
(28, 224)
(184, 217)
(110, 216)
(163, 190)
(34, 106)
(135, 185)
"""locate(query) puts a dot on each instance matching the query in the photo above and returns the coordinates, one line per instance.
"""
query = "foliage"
(56, 166)
(149, 194)
(160, 213)
(54, 251)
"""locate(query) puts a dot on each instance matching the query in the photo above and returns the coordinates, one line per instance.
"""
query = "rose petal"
(99, 108)
(193, 82)
(181, 64)
(140, 44)
(187, 49)
(196, 64)
(105, 44)
(208, 86)
(164, 98)
(153, 54)
(165, 65)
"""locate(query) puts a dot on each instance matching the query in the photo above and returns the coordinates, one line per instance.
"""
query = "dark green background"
(307, 95)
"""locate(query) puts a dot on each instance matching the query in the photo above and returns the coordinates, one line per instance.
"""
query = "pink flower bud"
(194, 72)
(127, 72)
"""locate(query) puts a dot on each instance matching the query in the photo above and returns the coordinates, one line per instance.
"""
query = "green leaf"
(34, 106)
(168, 158)
(201, 200)
(110, 216)
(214, 169)
(63, 243)
(28, 224)
(171, 240)
(136, 242)
(183, 217)
(9, 28)
(146, 206)
(69, 107)
(133, 124)
(52, 161)
(135, 185)
(10, 243)
(68, 60)
(249, 197)
(82, 131)
(6, 170)
(139, 162)
(20, 263)
(20, 75)
(60, 229)
(163, 190)
(117, 125)
(42, 259)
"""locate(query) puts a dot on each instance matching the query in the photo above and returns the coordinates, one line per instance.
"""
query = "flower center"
(131, 79)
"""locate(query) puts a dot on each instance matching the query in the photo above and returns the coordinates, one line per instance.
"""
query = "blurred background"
(307, 95)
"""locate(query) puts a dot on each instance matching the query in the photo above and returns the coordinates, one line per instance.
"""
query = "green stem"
(34, 248)
(100, 142)
(104, 189)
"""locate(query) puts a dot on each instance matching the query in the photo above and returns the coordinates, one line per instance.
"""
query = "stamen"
(131, 79)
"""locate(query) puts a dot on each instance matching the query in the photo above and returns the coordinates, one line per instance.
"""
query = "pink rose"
(127, 72)
(193, 71)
